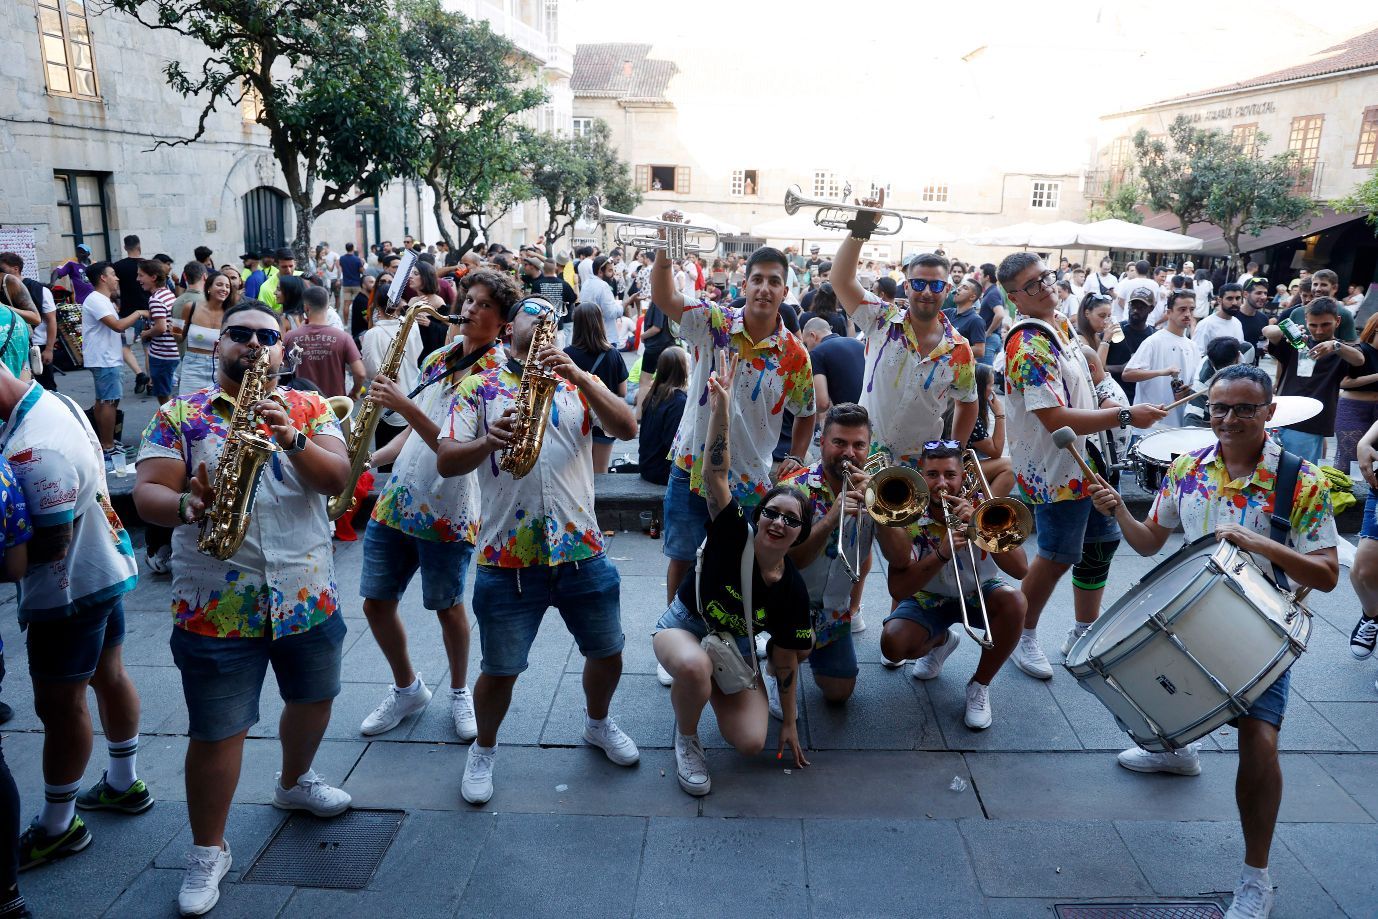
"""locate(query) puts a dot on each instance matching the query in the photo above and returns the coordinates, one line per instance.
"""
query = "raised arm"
(716, 455)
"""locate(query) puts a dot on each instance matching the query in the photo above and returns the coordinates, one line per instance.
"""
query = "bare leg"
(492, 697)
(835, 689)
(601, 676)
(116, 697)
(391, 635)
(743, 718)
(131, 360)
(212, 775)
(454, 631)
(104, 414)
(1006, 607)
(1038, 587)
(674, 576)
(1258, 788)
(601, 454)
(679, 653)
(1086, 604)
(1364, 576)
(903, 640)
(67, 730)
(301, 728)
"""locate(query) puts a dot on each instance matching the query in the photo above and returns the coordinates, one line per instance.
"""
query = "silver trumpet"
(835, 215)
(680, 239)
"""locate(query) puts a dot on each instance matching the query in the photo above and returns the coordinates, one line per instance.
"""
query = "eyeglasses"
(917, 285)
(789, 520)
(1045, 281)
(1244, 411)
(941, 445)
(242, 335)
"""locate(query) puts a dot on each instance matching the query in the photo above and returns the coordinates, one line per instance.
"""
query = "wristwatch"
(1125, 418)
(298, 445)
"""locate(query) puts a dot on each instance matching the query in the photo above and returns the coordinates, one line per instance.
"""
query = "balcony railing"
(1306, 179)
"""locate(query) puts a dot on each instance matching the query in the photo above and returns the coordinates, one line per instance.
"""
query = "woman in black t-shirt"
(660, 412)
(592, 353)
(781, 610)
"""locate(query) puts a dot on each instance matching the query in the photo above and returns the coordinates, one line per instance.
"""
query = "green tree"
(1165, 169)
(565, 171)
(469, 84)
(1363, 198)
(1248, 193)
(1119, 205)
(327, 90)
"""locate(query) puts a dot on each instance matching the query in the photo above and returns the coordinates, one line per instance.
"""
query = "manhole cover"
(1183, 909)
(341, 852)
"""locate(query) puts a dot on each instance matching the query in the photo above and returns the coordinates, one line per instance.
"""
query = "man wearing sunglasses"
(917, 364)
(1230, 489)
(273, 601)
(539, 544)
(1048, 385)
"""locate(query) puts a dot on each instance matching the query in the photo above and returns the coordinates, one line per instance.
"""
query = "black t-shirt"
(836, 321)
(842, 362)
(132, 296)
(782, 608)
(557, 291)
(656, 319)
(358, 316)
(1370, 366)
(1253, 331)
(1119, 354)
(658, 426)
(1322, 384)
(607, 366)
(788, 312)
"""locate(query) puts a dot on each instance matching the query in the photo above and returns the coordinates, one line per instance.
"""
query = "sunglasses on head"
(941, 445)
(242, 335)
(788, 519)
(917, 285)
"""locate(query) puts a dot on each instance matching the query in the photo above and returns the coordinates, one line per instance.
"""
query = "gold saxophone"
(358, 431)
(237, 472)
(533, 402)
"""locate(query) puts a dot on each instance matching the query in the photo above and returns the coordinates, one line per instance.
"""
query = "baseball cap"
(251, 254)
(283, 253)
(82, 247)
(1141, 293)
(814, 248)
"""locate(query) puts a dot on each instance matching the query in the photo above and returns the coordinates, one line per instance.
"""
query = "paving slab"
(1344, 859)
(154, 893)
(1328, 673)
(887, 711)
(248, 830)
(365, 663)
(1358, 721)
(1355, 773)
(1043, 858)
(641, 707)
(743, 867)
(1305, 728)
(1025, 716)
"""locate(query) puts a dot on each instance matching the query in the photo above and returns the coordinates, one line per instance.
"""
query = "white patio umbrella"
(1121, 234)
(797, 228)
(700, 219)
(917, 231)
(1060, 234)
(1013, 235)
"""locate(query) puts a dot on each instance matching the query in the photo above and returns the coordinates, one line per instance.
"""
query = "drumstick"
(1065, 439)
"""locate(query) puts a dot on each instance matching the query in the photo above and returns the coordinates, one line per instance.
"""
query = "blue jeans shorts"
(1064, 527)
(163, 374)
(391, 557)
(509, 604)
(1272, 705)
(1369, 529)
(685, 515)
(67, 650)
(109, 385)
(679, 616)
(222, 678)
(837, 658)
(938, 613)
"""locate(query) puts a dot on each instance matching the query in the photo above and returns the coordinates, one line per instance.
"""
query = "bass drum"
(1155, 453)
(1191, 646)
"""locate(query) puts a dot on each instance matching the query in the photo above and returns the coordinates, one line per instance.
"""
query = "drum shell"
(1226, 614)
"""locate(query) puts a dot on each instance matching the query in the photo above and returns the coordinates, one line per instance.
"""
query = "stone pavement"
(870, 829)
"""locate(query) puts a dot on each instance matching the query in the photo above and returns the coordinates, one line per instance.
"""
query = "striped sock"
(119, 775)
(59, 807)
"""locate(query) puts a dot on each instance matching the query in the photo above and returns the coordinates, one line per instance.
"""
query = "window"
(1306, 138)
(67, 60)
(1245, 136)
(1121, 152)
(744, 183)
(552, 21)
(825, 184)
(519, 214)
(265, 221)
(582, 126)
(663, 178)
(1367, 154)
(81, 208)
(1045, 195)
(935, 193)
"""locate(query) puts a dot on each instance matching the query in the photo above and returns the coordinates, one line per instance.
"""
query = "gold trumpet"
(896, 495)
(680, 240)
(835, 215)
(997, 524)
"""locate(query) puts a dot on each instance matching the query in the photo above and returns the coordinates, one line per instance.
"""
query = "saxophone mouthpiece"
(455, 319)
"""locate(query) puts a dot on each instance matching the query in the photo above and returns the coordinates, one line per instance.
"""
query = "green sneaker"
(101, 797)
(37, 847)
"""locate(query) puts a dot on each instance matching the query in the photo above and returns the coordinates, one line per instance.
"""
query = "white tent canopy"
(796, 228)
(1060, 234)
(700, 219)
(1014, 235)
(1121, 234)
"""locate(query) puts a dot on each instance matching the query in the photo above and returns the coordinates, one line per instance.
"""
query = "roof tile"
(621, 70)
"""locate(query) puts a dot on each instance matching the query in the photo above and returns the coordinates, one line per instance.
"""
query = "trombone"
(951, 522)
(680, 239)
(834, 215)
(896, 496)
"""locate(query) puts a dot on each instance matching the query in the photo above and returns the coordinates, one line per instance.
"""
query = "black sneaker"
(38, 848)
(6, 713)
(101, 797)
(1364, 637)
(141, 382)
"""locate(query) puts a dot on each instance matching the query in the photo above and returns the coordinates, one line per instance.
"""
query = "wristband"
(791, 456)
(182, 507)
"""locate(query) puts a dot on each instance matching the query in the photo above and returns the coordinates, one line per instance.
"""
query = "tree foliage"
(565, 171)
(1165, 169)
(470, 85)
(1364, 198)
(1119, 205)
(325, 89)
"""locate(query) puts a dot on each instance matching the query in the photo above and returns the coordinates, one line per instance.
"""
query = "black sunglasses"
(789, 520)
(242, 335)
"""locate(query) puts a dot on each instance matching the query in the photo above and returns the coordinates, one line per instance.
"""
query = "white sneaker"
(858, 624)
(761, 645)
(206, 865)
(394, 707)
(773, 697)
(1073, 634)
(1186, 761)
(462, 713)
(663, 675)
(691, 766)
(310, 794)
(160, 562)
(477, 786)
(612, 740)
(891, 665)
(1253, 899)
(931, 664)
(1029, 657)
(978, 706)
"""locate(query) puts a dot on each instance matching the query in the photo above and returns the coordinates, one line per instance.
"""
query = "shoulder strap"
(748, 563)
(1280, 523)
(593, 371)
(1028, 322)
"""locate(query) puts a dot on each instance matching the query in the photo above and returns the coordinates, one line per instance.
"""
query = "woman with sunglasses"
(710, 599)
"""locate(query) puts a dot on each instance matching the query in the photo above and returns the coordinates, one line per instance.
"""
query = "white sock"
(594, 722)
(1081, 627)
(411, 690)
(480, 748)
(687, 739)
(1251, 873)
(59, 807)
(1030, 633)
(120, 773)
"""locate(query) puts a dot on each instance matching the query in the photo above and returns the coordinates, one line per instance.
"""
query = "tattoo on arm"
(717, 452)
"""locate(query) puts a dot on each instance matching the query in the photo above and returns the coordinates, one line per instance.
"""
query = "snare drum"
(1156, 452)
(1191, 646)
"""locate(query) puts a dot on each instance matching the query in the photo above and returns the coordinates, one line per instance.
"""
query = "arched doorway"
(265, 221)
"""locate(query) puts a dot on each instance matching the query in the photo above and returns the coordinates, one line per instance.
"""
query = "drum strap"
(1281, 519)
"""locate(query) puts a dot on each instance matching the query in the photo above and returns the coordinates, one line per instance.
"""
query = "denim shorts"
(1272, 705)
(509, 604)
(109, 385)
(1064, 527)
(836, 659)
(222, 678)
(163, 374)
(938, 613)
(679, 616)
(391, 557)
(1369, 530)
(67, 650)
(685, 515)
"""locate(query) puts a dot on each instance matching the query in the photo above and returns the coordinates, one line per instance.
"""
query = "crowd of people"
(761, 389)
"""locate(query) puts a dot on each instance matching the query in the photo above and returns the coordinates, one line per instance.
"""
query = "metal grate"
(341, 852)
(1181, 909)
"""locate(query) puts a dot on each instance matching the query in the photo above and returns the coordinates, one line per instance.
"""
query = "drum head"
(1164, 446)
